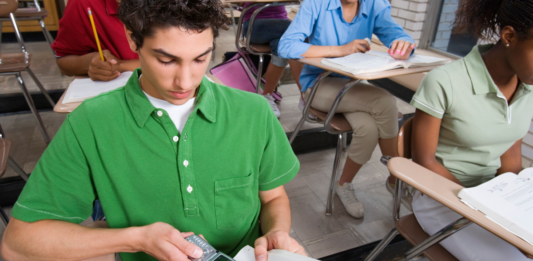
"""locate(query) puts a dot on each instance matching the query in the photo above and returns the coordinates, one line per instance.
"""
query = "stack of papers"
(81, 89)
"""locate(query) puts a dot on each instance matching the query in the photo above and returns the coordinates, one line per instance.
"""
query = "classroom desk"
(341, 124)
(69, 107)
(445, 192)
(355, 79)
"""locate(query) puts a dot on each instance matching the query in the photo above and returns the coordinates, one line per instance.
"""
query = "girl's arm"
(511, 160)
(291, 44)
(424, 141)
(401, 45)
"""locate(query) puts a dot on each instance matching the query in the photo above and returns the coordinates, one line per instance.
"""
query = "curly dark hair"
(141, 17)
(485, 18)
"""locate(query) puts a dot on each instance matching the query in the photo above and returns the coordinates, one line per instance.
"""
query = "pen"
(95, 34)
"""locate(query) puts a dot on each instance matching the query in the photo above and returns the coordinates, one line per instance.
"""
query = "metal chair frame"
(13, 21)
(442, 234)
(3, 216)
(247, 47)
(342, 135)
(29, 99)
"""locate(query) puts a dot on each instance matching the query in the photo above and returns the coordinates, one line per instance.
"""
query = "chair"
(407, 225)
(334, 123)
(14, 64)
(10, 12)
(243, 43)
(5, 159)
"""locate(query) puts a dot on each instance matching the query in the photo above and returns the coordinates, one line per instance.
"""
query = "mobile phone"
(210, 253)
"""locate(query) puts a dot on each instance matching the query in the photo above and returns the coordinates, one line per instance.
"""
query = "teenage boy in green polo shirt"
(170, 152)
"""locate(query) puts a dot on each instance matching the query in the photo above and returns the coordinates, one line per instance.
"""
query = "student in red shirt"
(75, 45)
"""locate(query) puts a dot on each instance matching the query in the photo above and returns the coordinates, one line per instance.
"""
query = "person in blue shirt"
(337, 28)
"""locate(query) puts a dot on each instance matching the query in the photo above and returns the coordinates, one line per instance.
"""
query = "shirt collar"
(336, 4)
(482, 82)
(111, 7)
(141, 108)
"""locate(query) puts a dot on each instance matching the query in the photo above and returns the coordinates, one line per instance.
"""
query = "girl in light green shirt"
(472, 115)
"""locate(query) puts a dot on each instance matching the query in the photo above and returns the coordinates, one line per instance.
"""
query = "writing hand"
(104, 70)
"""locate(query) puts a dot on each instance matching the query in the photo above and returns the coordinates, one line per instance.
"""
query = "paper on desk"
(247, 254)
(81, 89)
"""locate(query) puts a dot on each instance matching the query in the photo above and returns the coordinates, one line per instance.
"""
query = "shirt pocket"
(234, 201)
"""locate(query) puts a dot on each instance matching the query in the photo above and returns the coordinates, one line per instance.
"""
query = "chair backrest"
(8, 6)
(404, 139)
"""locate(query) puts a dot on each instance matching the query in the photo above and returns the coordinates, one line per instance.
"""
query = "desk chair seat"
(9, 12)
(5, 147)
(338, 123)
(258, 48)
(14, 64)
(30, 12)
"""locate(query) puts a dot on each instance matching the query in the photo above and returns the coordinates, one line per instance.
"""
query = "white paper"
(507, 200)
(81, 89)
(374, 61)
(247, 254)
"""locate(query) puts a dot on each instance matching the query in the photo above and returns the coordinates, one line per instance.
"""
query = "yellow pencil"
(95, 34)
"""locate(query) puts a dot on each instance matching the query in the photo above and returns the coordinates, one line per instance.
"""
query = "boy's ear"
(132, 44)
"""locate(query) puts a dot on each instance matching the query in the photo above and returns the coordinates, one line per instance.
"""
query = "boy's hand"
(276, 240)
(164, 242)
(104, 70)
(401, 50)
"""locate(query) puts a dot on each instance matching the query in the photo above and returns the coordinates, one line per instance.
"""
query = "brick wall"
(527, 148)
(410, 15)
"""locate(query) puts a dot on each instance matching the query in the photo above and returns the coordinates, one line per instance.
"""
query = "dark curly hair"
(485, 18)
(142, 17)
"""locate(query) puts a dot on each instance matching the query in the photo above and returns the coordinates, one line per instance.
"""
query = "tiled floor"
(321, 235)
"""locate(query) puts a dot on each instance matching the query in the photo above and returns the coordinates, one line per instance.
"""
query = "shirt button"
(159, 113)
(185, 163)
(189, 189)
(175, 138)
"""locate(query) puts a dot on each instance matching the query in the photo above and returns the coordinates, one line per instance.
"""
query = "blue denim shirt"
(322, 22)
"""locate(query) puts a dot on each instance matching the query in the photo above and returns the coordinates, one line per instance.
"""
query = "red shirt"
(76, 37)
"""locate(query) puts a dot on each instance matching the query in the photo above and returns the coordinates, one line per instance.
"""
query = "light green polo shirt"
(478, 125)
(117, 147)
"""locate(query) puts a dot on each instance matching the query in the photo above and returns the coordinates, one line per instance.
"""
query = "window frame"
(429, 30)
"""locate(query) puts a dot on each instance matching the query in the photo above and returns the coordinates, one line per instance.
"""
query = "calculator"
(210, 253)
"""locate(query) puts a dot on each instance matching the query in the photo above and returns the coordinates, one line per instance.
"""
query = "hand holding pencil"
(104, 65)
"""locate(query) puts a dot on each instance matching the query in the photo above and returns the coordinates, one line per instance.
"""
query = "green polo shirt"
(478, 125)
(120, 149)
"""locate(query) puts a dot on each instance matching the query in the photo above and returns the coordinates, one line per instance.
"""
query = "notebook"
(374, 61)
(247, 254)
(507, 200)
(81, 89)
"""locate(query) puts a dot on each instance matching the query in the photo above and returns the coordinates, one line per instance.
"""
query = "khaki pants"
(371, 111)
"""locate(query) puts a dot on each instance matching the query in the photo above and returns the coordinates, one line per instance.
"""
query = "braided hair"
(485, 18)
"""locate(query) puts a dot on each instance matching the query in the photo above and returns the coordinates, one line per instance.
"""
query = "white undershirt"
(178, 113)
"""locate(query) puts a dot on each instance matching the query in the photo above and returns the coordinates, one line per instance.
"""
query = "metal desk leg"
(437, 237)
(33, 109)
(305, 112)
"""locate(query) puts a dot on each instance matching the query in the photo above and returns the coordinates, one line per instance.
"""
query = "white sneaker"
(301, 106)
(273, 104)
(353, 206)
